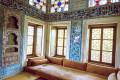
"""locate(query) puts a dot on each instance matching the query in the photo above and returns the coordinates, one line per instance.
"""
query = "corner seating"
(61, 69)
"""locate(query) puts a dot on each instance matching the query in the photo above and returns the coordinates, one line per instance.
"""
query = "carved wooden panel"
(11, 38)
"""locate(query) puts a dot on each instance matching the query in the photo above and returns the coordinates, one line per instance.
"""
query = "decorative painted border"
(92, 12)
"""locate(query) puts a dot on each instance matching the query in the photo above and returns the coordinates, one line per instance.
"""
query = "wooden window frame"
(35, 26)
(56, 54)
(101, 26)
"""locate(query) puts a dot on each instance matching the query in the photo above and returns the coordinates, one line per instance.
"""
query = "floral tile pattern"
(75, 41)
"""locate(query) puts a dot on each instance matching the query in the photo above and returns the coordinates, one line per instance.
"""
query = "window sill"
(59, 56)
(102, 64)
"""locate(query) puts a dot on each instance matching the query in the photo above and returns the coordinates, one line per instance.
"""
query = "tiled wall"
(75, 40)
(78, 4)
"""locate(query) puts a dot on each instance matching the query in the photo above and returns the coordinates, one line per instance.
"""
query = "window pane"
(107, 57)
(59, 50)
(39, 42)
(65, 42)
(107, 45)
(40, 4)
(64, 51)
(65, 33)
(30, 40)
(60, 42)
(96, 33)
(30, 30)
(108, 33)
(29, 50)
(95, 55)
(96, 44)
(60, 33)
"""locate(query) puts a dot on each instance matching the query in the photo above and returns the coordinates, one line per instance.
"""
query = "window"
(61, 42)
(100, 2)
(59, 5)
(102, 44)
(40, 4)
(34, 40)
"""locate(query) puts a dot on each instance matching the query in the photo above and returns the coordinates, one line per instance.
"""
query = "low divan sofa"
(53, 68)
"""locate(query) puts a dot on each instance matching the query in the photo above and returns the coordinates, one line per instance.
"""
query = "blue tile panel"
(75, 41)
(10, 70)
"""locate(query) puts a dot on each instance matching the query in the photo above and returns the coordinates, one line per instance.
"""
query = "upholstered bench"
(53, 68)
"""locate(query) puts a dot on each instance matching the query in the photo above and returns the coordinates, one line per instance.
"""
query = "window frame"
(56, 54)
(101, 26)
(35, 26)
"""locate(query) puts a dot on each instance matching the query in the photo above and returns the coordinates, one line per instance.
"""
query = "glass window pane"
(96, 33)
(30, 30)
(65, 33)
(96, 44)
(60, 42)
(65, 42)
(30, 40)
(40, 4)
(29, 50)
(107, 45)
(108, 33)
(60, 33)
(59, 50)
(39, 42)
(59, 5)
(64, 51)
(95, 55)
(107, 57)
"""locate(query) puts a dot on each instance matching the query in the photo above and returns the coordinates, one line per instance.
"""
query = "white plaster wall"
(62, 23)
(35, 21)
(85, 37)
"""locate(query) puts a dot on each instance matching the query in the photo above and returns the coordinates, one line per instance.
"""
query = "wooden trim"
(114, 42)
(89, 57)
(57, 41)
(32, 24)
(35, 26)
(102, 25)
(101, 45)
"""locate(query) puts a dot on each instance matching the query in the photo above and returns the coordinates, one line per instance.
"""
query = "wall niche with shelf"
(12, 23)
(11, 37)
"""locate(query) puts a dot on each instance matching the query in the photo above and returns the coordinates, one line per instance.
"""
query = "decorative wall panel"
(92, 12)
(11, 38)
(75, 41)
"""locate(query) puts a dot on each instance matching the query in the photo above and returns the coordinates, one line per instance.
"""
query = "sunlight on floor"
(23, 76)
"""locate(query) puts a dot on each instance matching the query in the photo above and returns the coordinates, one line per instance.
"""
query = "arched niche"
(12, 22)
(12, 39)
(10, 50)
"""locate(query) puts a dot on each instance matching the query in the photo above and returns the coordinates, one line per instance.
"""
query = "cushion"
(75, 65)
(118, 75)
(112, 77)
(55, 60)
(39, 62)
(102, 70)
(34, 58)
